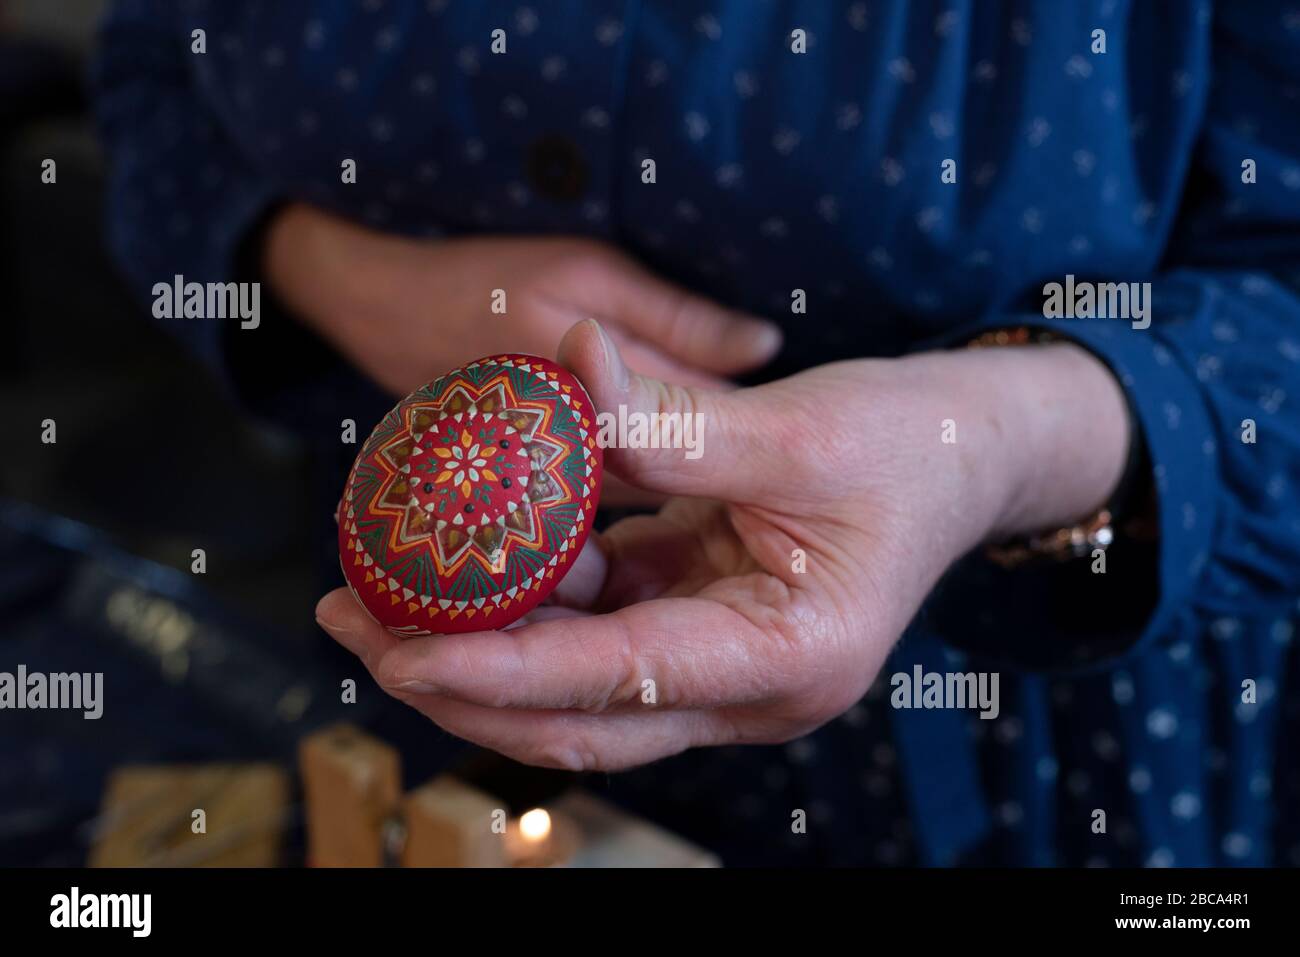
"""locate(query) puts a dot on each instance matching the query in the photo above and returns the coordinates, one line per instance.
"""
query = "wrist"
(1057, 434)
(326, 269)
(1017, 439)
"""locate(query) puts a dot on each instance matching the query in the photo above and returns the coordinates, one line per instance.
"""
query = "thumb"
(679, 440)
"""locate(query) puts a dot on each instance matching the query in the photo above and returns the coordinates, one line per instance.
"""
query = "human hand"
(405, 311)
(705, 600)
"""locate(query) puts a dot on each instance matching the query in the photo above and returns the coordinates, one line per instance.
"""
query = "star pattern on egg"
(474, 489)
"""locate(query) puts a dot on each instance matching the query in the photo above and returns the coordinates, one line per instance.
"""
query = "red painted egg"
(472, 498)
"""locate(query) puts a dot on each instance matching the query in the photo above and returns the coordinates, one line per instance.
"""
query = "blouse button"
(556, 168)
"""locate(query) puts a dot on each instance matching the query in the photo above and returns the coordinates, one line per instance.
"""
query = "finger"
(691, 328)
(718, 446)
(684, 652)
(649, 554)
(352, 627)
(582, 584)
(572, 741)
(615, 493)
(645, 357)
(545, 613)
(648, 360)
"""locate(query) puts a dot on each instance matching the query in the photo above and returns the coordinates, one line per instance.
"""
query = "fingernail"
(612, 359)
(771, 337)
(346, 638)
(765, 337)
(415, 686)
(336, 630)
(323, 608)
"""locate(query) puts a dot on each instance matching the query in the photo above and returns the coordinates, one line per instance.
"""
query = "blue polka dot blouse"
(804, 145)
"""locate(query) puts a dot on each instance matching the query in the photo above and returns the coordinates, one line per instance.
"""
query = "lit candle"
(535, 827)
(537, 840)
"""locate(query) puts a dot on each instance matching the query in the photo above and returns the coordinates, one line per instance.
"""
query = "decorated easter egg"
(472, 498)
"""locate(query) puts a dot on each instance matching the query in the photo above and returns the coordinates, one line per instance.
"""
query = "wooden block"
(449, 824)
(148, 817)
(352, 785)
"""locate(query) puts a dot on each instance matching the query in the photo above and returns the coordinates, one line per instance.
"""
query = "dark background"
(133, 409)
(151, 461)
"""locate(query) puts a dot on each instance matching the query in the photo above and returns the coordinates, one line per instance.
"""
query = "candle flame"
(535, 826)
